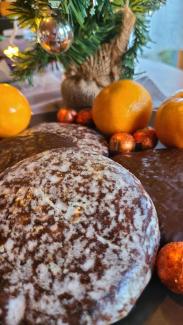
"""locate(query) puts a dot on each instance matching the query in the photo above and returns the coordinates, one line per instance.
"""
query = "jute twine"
(83, 82)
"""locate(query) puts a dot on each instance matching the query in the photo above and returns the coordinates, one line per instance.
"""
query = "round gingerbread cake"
(15, 149)
(48, 136)
(161, 173)
(83, 137)
(78, 240)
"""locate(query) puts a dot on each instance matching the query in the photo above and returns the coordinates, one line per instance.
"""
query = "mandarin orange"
(169, 122)
(4, 8)
(123, 106)
(15, 111)
(178, 93)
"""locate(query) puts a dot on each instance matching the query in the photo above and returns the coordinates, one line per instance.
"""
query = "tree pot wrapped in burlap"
(83, 82)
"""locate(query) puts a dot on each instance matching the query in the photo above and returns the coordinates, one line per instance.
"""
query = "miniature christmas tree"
(98, 32)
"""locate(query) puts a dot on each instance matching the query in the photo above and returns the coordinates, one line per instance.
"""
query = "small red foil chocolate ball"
(121, 143)
(84, 117)
(66, 115)
(170, 266)
(145, 138)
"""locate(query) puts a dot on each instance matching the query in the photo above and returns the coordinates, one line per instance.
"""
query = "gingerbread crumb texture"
(78, 239)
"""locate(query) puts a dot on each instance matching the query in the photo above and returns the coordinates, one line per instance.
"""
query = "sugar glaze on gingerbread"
(78, 239)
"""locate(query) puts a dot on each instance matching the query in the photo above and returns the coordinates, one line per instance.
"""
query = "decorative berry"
(66, 115)
(170, 266)
(84, 117)
(121, 143)
(145, 138)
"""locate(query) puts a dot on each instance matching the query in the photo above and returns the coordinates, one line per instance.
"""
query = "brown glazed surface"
(161, 173)
(13, 150)
(49, 136)
(84, 137)
(78, 239)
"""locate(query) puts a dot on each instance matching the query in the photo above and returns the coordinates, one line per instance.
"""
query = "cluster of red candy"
(142, 139)
(68, 115)
(119, 142)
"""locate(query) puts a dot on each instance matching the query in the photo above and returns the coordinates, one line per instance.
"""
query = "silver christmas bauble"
(54, 36)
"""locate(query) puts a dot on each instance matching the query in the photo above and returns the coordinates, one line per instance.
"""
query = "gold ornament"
(54, 36)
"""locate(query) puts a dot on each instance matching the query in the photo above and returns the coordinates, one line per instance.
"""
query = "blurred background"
(166, 33)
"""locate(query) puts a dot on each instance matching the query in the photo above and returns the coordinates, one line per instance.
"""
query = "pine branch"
(28, 10)
(141, 37)
(140, 6)
(93, 26)
(86, 45)
(29, 61)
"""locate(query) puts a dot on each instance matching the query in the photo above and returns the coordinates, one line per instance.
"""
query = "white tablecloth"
(45, 94)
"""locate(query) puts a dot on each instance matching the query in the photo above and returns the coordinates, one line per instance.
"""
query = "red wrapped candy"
(84, 117)
(66, 115)
(145, 138)
(121, 143)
